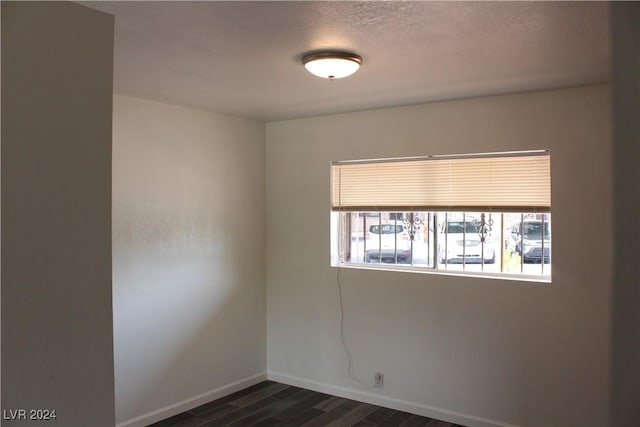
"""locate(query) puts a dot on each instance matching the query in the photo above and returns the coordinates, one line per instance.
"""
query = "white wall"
(626, 304)
(188, 257)
(57, 346)
(476, 351)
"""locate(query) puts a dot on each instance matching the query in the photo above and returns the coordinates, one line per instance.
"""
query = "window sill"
(428, 270)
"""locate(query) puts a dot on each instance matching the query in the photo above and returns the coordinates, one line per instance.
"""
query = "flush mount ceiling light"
(332, 65)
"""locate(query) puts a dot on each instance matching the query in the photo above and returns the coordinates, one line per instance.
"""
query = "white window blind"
(509, 182)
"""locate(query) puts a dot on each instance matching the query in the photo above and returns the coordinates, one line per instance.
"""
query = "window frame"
(339, 240)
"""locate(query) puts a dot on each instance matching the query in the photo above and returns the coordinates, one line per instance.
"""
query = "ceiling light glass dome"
(332, 65)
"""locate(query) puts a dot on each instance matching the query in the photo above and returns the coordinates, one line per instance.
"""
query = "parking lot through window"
(490, 242)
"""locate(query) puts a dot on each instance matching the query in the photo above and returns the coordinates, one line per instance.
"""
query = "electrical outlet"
(378, 379)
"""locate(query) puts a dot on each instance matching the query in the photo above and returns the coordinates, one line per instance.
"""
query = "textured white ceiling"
(243, 58)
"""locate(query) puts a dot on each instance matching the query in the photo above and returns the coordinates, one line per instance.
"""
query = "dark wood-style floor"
(274, 404)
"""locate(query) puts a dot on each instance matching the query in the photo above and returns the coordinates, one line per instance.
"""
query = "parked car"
(531, 239)
(459, 242)
(387, 242)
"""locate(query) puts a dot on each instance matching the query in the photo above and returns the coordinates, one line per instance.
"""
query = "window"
(478, 213)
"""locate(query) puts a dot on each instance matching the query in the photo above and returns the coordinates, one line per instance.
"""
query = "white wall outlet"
(378, 379)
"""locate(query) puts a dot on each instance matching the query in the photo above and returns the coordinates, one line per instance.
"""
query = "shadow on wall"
(180, 307)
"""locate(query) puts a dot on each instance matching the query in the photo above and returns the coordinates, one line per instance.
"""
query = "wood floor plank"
(262, 414)
(358, 413)
(269, 422)
(296, 409)
(380, 415)
(217, 412)
(395, 420)
(227, 399)
(241, 413)
(302, 418)
(253, 419)
(331, 403)
(169, 422)
(291, 392)
(294, 399)
(259, 394)
(363, 423)
(198, 420)
(284, 400)
(416, 421)
(333, 414)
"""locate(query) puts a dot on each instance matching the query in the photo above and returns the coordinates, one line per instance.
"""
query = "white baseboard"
(177, 408)
(387, 402)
